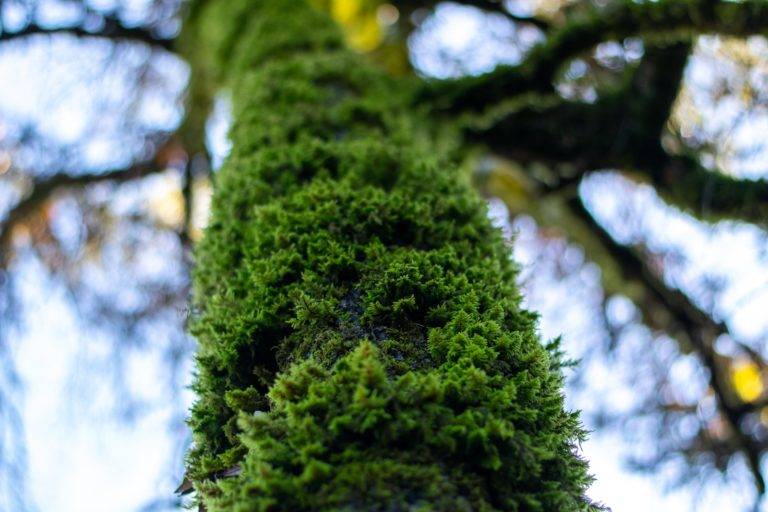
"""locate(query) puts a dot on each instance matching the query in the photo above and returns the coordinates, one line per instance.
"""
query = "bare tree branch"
(698, 327)
(44, 189)
(112, 28)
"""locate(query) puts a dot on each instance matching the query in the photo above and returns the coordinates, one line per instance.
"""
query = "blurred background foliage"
(631, 176)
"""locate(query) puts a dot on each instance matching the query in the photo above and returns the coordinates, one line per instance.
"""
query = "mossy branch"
(490, 6)
(663, 21)
(623, 130)
(710, 195)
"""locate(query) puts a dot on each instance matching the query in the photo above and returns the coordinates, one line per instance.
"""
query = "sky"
(80, 457)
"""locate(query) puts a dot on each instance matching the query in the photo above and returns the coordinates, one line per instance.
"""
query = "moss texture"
(361, 340)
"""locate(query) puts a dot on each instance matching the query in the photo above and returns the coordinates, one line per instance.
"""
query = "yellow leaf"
(345, 11)
(510, 184)
(764, 415)
(366, 35)
(360, 22)
(201, 207)
(5, 161)
(747, 381)
(166, 204)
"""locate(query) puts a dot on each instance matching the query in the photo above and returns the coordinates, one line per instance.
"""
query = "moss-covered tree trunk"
(361, 341)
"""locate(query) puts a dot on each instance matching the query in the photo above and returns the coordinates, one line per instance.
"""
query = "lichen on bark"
(361, 340)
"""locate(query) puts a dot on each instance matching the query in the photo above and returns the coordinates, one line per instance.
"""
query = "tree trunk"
(361, 340)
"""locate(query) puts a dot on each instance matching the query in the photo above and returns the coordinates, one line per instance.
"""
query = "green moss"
(361, 340)
(711, 195)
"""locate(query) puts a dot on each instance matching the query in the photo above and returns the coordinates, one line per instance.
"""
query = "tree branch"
(667, 20)
(650, 96)
(623, 130)
(492, 6)
(578, 137)
(709, 194)
(112, 29)
(696, 326)
(42, 190)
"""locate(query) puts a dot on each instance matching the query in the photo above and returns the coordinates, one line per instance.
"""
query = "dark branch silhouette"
(111, 28)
